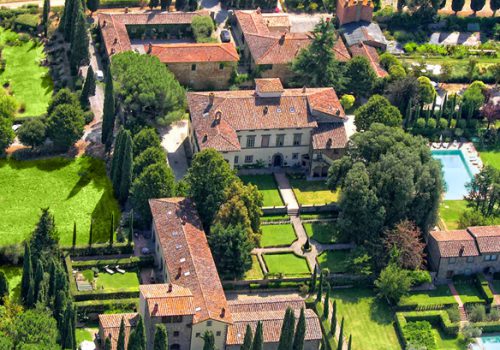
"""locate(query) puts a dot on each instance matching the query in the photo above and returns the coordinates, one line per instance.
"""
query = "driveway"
(173, 139)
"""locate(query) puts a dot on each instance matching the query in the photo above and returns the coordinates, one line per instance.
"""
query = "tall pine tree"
(161, 339)
(27, 273)
(258, 340)
(300, 332)
(127, 168)
(313, 280)
(91, 233)
(320, 288)
(4, 286)
(38, 279)
(79, 51)
(326, 303)
(108, 118)
(107, 344)
(333, 322)
(74, 235)
(120, 345)
(88, 88)
(287, 330)
(247, 342)
(45, 16)
(116, 162)
(341, 335)
(349, 344)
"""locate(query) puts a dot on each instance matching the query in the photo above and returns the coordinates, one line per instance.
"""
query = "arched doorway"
(278, 160)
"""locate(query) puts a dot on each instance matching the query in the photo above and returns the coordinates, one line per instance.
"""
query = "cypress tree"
(74, 235)
(4, 286)
(38, 280)
(161, 339)
(127, 167)
(349, 344)
(313, 280)
(79, 53)
(320, 288)
(87, 88)
(300, 332)
(258, 340)
(42, 297)
(90, 234)
(45, 16)
(69, 328)
(130, 237)
(208, 341)
(27, 273)
(112, 230)
(120, 345)
(59, 306)
(326, 307)
(30, 297)
(287, 329)
(108, 119)
(117, 160)
(433, 105)
(107, 344)
(140, 335)
(341, 335)
(93, 5)
(52, 280)
(67, 20)
(247, 342)
(333, 323)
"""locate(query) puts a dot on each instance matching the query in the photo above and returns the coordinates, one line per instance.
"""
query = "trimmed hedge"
(488, 327)
(100, 249)
(484, 287)
(134, 261)
(101, 306)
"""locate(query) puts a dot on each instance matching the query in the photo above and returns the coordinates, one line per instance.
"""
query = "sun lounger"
(117, 268)
(108, 270)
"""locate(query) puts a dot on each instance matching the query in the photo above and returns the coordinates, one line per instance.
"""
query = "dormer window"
(292, 109)
(182, 260)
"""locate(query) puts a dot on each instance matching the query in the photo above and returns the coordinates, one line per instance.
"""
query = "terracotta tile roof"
(340, 50)
(284, 49)
(371, 54)
(487, 238)
(194, 53)
(114, 31)
(188, 258)
(348, 3)
(329, 136)
(270, 313)
(167, 299)
(455, 243)
(110, 326)
(216, 124)
(276, 20)
(268, 85)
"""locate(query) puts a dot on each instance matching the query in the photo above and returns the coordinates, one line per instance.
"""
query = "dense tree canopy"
(484, 192)
(393, 283)
(32, 133)
(360, 77)
(145, 90)
(377, 110)
(390, 176)
(401, 92)
(425, 90)
(65, 125)
(406, 245)
(8, 107)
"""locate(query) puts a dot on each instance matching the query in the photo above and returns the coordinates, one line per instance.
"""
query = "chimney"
(104, 23)
(266, 109)
(337, 113)
(211, 98)
(115, 41)
(258, 10)
(329, 143)
(113, 50)
(150, 48)
(223, 312)
(282, 39)
(179, 273)
(461, 251)
(218, 116)
(170, 287)
(126, 9)
(304, 89)
(155, 309)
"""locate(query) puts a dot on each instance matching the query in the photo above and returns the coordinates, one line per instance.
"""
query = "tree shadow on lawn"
(47, 164)
(91, 170)
(101, 217)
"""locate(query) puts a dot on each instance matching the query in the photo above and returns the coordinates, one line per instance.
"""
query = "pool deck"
(468, 149)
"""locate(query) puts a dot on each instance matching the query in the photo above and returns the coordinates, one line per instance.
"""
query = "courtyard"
(277, 235)
(267, 187)
(287, 264)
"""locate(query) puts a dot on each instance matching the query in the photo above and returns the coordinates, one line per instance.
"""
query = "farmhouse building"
(464, 252)
(189, 300)
(270, 126)
(168, 36)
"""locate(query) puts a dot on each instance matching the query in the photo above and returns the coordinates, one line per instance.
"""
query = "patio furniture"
(117, 268)
(108, 270)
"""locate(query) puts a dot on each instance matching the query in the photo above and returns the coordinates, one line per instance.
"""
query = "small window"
(217, 334)
(295, 156)
(176, 333)
(248, 159)
(470, 259)
(297, 139)
(209, 323)
(197, 335)
(280, 140)
(221, 66)
(487, 257)
(265, 141)
(494, 257)
(251, 141)
(193, 67)
(236, 159)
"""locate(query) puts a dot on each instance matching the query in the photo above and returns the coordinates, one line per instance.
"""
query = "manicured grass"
(277, 235)
(14, 275)
(255, 273)
(367, 318)
(117, 282)
(30, 83)
(267, 186)
(76, 190)
(313, 192)
(491, 158)
(323, 232)
(468, 292)
(440, 295)
(288, 264)
(84, 334)
(450, 212)
(447, 342)
(336, 261)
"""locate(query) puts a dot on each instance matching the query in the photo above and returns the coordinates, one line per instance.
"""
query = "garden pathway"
(287, 193)
(461, 309)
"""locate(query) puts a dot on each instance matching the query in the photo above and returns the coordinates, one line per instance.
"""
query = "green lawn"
(447, 342)
(336, 261)
(468, 292)
(277, 235)
(367, 318)
(117, 282)
(491, 158)
(288, 264)
(323, 232)
(85, 334)
(255, 273)
(75, 190)
(313, 192)
(450, 212)
(267, 186)
(30, 83)
(14, 275)
(440, 295)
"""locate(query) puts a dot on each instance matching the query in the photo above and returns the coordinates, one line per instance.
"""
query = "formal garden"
(277, 235)
(325, 232)
(287, 264)
(312, 192)
(267, 186)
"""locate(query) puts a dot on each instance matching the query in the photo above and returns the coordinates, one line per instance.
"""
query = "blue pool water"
(456, 172)
(491, 342)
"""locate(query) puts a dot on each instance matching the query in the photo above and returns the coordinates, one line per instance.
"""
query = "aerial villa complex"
(190, 300)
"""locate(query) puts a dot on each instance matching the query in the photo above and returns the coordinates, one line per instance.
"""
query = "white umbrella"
(87, 345)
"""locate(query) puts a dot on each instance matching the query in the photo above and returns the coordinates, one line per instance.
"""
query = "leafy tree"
(150, 156)
(247, 341)
(32, 133)
(65, 126)
(287, 330)
(473, 217)
(35, 327)
(425, 90)
(161, 338)
(27, 276)
(393, 283)
(108, 118)
(208, 177)
(300, 332)
(258, 340)
(377, 110)
(347, 101)
(7, 135)
(62, 97)
(231, 248)
(491, 112)
(202, 28)
(406, 239)
(8, 105)
(402, 92)
(88, 88)
(387, 60)
(144, 139)
(4, 286)
(93, 6)
(360, 76)
(45, 16)
(156, 181)
(120, 345)
(79, 51)
(341, 336)
(145, 90)
(484, 192)
(477, 5)
(208, 341)
(316, 65)
(473, 97)
(457, 5)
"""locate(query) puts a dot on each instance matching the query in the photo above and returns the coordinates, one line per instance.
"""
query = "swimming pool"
(456, 172)
(491, 342)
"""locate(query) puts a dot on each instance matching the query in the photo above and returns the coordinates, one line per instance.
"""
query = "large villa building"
(189, 300)
(270, 126)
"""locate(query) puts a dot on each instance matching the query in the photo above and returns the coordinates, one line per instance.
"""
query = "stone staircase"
(463, 314)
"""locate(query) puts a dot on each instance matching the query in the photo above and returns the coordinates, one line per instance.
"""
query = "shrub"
(202, 27)
(431, 123)
(453, 314)
(419, 277)
(469, 331)
(494, 314)
(420, 123)
(443, 123)
(410, 47)
(347, 101)
(484, 287)
(88, 116)
(419, 334)
(477, 313)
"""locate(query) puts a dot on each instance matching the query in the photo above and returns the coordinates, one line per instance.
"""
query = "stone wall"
(203, 75)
